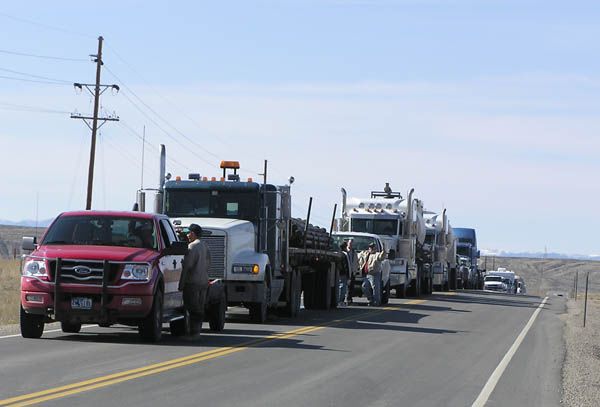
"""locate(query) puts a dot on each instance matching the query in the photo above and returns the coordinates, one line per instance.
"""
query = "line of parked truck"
(109, 267)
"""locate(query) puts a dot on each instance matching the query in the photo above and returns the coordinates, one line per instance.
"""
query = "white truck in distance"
(399, 223)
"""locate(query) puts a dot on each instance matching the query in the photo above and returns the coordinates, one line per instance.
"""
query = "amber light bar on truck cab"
(225, 165)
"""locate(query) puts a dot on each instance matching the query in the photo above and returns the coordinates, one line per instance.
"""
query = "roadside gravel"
(581, 369)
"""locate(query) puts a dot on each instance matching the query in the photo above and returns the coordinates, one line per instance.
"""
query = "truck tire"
(258, 310)
(308, 286)
(151, 327)
(385, 293)
(32, 326)
(217, 313)
(292, 308)
(400, 291)
(178, 327)
(70, 327)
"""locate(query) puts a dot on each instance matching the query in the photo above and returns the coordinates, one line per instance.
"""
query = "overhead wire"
(187, 147)
(31, 80)
(136, 134)
(50, 57)
(164, 98)
(189, 139)
(46, 26)
(28, 108)
(34, 76)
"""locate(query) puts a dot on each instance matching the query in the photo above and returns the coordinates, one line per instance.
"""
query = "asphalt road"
(436, 351)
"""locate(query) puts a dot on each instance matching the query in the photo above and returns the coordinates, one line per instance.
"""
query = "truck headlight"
(136, 272)
(35, 268)
(246, 268)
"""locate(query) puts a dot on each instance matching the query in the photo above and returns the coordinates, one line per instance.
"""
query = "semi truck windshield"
(376, 226)
(212, 204)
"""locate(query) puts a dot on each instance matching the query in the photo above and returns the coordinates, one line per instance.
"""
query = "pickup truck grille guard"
(57, 289)
(106, 277)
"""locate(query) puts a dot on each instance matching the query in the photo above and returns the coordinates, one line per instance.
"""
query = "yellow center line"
(111, 379)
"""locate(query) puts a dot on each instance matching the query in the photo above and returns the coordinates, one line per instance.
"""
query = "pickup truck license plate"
(81, 303)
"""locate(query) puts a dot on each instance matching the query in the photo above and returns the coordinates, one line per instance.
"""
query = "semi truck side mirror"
(177, 249)
(29, 243)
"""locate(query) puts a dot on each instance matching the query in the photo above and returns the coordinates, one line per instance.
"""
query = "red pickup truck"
(106, 267)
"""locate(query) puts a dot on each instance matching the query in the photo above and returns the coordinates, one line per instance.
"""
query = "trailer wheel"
(177, 327)
(151, 327)
(70, 327)
(32, 326)
(308, 286)
(400, 291)
(258, 310)
(385, 293)
(216, 314)
(292, 308)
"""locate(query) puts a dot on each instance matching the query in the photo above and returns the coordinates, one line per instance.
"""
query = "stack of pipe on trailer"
(316, 237)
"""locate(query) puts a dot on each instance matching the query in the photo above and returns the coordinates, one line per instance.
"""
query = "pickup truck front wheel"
(151, 328)
(217, 313)
(32, 326)
(70, 327)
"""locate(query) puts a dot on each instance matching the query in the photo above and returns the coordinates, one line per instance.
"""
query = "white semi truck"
(440, 250)
(399, 222)
(247, 226)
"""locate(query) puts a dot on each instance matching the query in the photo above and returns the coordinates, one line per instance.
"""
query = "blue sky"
(489, 108)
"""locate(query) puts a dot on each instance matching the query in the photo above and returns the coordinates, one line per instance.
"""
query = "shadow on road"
(489, 299)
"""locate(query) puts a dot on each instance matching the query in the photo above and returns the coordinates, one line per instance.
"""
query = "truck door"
(170, 266)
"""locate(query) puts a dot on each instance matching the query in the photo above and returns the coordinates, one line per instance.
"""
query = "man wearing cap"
(194, 277)
(369, 262)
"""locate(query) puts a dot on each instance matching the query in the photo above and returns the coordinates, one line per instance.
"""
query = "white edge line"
(490, 385)
(46, 332)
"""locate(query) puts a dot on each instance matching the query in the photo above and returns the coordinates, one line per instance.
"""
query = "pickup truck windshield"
(212, 204)
(375, 226)
(102, 231)
(359, 243)
(493, 278)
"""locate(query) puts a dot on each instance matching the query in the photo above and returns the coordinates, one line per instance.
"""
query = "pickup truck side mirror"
(391, 254)
(29, 243)
(177, 249)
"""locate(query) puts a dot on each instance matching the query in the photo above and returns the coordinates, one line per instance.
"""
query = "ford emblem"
(82, 270)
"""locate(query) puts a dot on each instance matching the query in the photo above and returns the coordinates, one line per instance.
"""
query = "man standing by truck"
(369, 262)
(194, 278)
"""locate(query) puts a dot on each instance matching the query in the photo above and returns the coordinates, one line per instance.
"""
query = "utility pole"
(98, 89)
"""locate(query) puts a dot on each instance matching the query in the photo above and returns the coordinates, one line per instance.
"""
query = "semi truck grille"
(84, 271)
(216, 246)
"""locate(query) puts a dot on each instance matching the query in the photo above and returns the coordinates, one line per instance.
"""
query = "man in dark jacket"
(194, 277)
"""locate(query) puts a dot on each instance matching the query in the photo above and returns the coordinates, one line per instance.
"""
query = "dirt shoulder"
(581, 369)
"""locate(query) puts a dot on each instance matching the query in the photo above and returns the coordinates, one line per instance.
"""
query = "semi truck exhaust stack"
(158, 199)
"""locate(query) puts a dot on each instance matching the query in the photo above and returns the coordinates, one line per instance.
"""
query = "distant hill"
(27, 222)
(538, 255)
(543, 275)
(11, 237)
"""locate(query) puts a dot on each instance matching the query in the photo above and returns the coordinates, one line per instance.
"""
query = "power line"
(27, 108)
(164, 98)
(136, 134)
(31, 80)
(35, 76)
(24, 54)
(187, 147)
(189, 139)
(46, 26)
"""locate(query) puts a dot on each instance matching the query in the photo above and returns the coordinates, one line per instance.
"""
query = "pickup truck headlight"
(246, 268)
(35, 268)
(136, 272)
